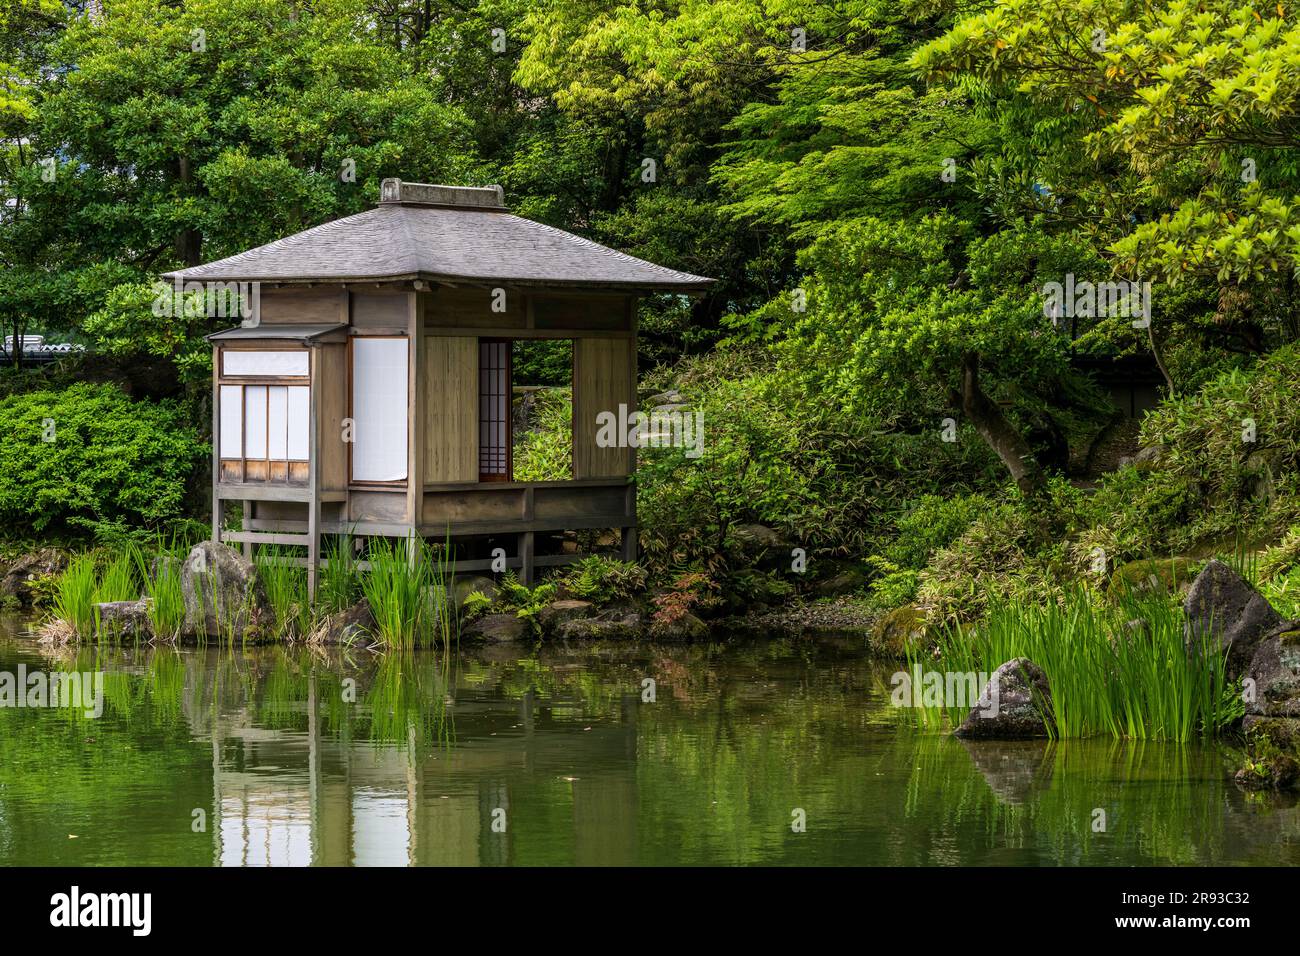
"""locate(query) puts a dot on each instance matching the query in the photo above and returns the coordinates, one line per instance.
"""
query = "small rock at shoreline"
(1016, 702)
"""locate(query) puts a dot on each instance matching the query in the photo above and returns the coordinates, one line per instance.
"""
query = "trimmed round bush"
(79, 457)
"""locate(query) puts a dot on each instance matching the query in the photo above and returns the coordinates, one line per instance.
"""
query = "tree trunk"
(999, 433)
(189, 242)
(1160, 359)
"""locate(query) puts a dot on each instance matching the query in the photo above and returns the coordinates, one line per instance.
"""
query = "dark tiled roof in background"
(420, 237)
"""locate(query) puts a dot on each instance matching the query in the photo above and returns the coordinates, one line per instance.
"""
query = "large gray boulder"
(354, 625)
(16, 581)
(223, 596)
(619, 623)
(760, 546)
(684, 629)
(125, 618)
(505, 628)
(558, 613)
(1015, 703)
(1275, 673)
(1224, 607)
(467, 584)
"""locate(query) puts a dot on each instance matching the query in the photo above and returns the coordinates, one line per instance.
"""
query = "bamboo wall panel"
(450, 380)
(332, 396)
(604, 377)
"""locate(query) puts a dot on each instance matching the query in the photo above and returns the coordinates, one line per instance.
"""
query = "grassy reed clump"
(286, 589)
(338, 587)
(117, 581)
(408, 596)
(161, 575)
(74, 596)
(1120, 669)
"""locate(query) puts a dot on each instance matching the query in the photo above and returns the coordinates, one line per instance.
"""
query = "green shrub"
(111, 460)
(825, 470)
(601, 580)
(526, 602)
(931, 523)
(894, 586)
(545, 452)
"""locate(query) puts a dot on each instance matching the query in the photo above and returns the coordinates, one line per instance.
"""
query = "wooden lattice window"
(494, 409)
(264, 415)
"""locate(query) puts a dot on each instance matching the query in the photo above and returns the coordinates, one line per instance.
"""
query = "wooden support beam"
(265, 537)
(313, 472)
(246, 525)
(526, 559)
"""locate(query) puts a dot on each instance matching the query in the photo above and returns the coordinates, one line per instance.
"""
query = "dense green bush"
(545, 451)
(829, 479)
(1209, 489)
(87, 457)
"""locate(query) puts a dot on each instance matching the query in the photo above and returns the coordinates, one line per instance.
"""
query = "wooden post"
(415, 433)
(313, 471)
(526, 545)
(216, 447)
(248, 518)
(629, 541)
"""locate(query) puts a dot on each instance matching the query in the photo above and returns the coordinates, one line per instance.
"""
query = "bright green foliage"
(109, 459)
(74, 598)
(1198, 98)
(407, 595)
(286, 591)
(545, 452)
(600, 579)
(780, 454)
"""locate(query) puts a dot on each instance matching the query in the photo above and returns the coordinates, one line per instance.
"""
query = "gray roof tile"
(419, 241)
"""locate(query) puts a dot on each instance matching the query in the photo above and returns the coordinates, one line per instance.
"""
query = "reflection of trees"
(268, 742)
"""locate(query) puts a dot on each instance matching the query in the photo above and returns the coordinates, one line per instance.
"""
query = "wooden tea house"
(368, 389)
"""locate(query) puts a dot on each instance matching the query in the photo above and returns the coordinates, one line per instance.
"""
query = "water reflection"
(516, 757)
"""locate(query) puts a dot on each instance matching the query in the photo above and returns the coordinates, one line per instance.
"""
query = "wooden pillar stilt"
(313, 547)
(526, 546)
(629, 543)
(248, 519)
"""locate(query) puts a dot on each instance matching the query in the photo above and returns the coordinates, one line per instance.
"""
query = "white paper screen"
(277, 423)
(244, 363)
(298, 422)
(379, 380)
(255, 421)
(232, 421)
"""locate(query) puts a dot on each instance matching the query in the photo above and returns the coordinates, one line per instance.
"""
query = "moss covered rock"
(1154, 575)
(1272, 753)
(896, 631)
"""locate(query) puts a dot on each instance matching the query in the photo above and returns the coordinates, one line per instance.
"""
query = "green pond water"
(281, 756)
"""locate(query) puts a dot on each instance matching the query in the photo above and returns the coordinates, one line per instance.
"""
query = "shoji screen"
(379, 408)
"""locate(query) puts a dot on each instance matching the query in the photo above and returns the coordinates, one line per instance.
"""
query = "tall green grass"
(337, 587)
(117, 580)
(161, 575)
(74, 596)
(408, 598)
(286, 589)
(1119, 668)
